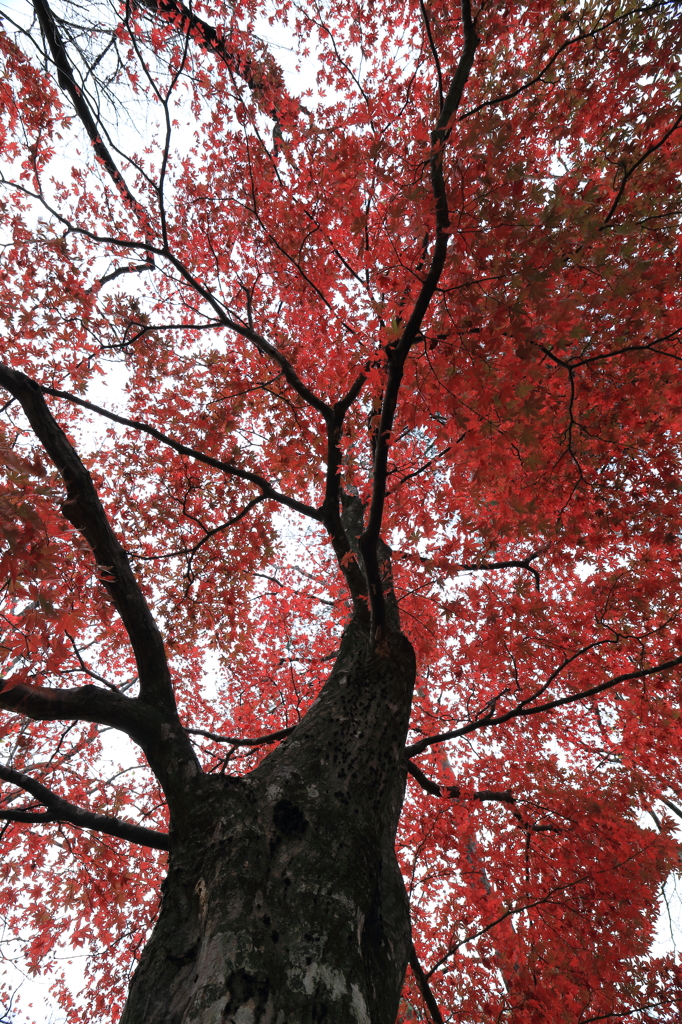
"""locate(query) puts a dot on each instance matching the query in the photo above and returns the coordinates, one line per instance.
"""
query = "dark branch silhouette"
(60, 810)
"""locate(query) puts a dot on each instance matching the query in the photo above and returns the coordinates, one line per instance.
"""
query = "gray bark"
(284, 903)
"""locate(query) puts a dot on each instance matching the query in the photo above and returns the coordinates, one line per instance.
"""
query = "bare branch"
(337, 516)
(426, 784)
(135, 268)
(88, 703)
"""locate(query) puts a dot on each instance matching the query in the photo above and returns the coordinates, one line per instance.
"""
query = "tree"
(342, 452)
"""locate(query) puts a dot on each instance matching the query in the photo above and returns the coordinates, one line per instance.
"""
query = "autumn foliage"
(222, 223)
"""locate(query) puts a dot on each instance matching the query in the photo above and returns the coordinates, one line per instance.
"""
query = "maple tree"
(342, 476)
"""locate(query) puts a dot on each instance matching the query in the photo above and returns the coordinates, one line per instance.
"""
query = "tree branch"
(208, 535)
(417, 472)
(523, 711)
(235, 741)
(208, 37)
(426, 784)
(266, 488)
(434, 51)
(84, 511)
(512, 563)
(152, 719)
(643, 9)
(673, 807)
(167, 747)
(337, 516)
(503, 917)
(424, 987)
(247, 332)
(397, 352)
(629, 171)
(454, 792)
(67, 82)
(292, 378)
(87, 703)
(626, 1013)
(62, 810)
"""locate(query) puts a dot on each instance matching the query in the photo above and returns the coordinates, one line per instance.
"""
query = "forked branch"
(328, 514)
(87, 703)
(512, 563)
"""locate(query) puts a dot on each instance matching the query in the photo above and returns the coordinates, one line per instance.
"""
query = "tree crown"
(403, 346)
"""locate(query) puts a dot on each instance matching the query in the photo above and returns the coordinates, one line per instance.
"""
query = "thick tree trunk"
(284, 903)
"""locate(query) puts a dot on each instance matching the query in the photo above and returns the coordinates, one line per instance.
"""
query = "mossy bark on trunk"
(284, 903)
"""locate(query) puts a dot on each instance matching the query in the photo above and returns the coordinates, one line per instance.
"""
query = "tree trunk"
(284, 903)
